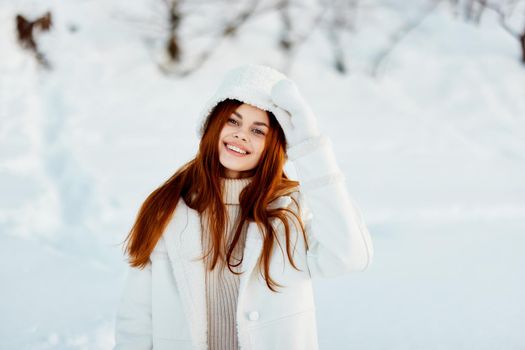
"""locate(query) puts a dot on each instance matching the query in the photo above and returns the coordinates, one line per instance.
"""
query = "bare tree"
(174, 18)
(285, 42)
(342, 18)
(400, 34)
(232, 27)
(292, 36)
(474, 9)
(504, 12)
(26, 30)
(298, 23)
(334, 17)
(182, 65)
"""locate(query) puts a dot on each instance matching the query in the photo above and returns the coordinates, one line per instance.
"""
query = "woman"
(223, 253)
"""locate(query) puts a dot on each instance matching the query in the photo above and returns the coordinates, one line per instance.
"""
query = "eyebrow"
(256, 123)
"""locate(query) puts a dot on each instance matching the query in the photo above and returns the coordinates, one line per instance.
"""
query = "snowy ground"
(433, 150)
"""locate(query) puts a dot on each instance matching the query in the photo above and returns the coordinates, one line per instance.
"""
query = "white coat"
(163, 306)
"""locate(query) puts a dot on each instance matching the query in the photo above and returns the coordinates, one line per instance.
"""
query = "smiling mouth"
(235, 150)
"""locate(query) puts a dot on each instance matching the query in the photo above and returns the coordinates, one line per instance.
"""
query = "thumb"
(283, 117)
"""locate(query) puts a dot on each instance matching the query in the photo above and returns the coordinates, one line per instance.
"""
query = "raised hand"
(293, 113)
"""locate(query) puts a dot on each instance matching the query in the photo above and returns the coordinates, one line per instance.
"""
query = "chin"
(233, 167)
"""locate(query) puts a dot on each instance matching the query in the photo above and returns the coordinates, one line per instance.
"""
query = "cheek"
(258, 146)
(224, 131)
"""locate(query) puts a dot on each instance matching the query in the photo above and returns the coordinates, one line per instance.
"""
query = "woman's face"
(242, 140)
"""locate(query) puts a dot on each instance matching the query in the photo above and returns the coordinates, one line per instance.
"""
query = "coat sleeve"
(133, 326)
(338, 239)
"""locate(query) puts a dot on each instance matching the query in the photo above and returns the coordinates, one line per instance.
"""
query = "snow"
(433, 149)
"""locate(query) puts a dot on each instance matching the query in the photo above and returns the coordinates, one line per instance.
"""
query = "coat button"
(253, 316)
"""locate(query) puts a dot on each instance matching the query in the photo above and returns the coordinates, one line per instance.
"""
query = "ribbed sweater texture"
(221, 284)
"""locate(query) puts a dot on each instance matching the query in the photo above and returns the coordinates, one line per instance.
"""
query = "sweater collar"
(232, 188)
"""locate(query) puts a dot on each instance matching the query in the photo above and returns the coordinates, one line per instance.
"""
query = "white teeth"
(236, 149)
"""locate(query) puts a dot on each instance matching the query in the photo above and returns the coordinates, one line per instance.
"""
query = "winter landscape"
(427, 120)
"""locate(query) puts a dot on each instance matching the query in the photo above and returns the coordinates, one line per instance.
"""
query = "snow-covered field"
(433, 150)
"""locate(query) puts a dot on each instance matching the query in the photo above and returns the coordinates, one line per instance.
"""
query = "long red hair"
(198, 183)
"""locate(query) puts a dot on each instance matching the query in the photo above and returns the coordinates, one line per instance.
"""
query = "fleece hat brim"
(249, 83)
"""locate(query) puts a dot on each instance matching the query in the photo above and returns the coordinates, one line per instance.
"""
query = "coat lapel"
(252, 250)
(184, 247)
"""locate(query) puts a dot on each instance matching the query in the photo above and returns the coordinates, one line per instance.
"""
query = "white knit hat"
(249, 83)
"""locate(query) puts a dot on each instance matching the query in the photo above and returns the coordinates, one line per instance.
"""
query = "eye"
(233, 121)
(258, 131)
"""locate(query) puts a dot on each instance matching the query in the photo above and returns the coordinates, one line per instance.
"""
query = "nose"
(242, 137)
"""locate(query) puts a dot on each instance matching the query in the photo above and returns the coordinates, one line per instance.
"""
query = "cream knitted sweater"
(222, 285)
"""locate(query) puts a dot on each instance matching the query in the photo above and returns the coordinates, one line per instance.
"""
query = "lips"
(237, 146)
